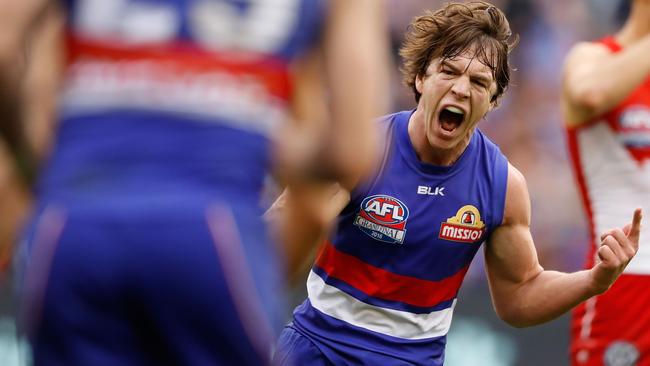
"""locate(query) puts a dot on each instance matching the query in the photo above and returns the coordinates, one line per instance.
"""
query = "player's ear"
(419, 83)
(494, 102)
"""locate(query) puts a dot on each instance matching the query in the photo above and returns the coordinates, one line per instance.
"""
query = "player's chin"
(445, 139)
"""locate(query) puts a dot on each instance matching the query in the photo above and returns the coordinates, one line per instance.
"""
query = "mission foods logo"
(383, 218)
(465, 227)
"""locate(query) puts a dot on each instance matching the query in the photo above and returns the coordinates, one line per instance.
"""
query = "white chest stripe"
(401, 324)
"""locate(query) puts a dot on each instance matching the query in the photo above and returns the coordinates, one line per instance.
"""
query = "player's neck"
(637, 25)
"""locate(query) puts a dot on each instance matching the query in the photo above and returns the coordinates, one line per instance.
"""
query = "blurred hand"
(617, 248)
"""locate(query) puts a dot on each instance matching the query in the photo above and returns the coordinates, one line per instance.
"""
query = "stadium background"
(528, 128)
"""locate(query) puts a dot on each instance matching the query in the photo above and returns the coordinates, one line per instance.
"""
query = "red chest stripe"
(379, 283)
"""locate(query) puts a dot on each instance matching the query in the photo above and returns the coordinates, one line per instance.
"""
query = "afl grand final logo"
(465, 227)
(383, 218)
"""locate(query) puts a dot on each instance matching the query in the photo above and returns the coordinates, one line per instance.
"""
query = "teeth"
(453, 109)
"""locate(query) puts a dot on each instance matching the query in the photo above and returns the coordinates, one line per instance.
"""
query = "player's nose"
(460, 88)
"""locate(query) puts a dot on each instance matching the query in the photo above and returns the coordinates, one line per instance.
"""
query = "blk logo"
(431, 191)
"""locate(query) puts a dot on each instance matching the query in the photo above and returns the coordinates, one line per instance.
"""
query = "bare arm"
(357, 64)
(41, 82)
(303, 215)
(340, 89)
(17, 19)
(13, 205)
(525, 294)
(19, 22)
(596, 80)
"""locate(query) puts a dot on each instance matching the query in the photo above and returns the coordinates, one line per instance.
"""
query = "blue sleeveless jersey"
(383, 288)
(169, 93)
(148, 245)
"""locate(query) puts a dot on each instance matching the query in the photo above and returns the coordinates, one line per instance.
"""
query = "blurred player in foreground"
(383, 288)
(148, 246)
(606, 106)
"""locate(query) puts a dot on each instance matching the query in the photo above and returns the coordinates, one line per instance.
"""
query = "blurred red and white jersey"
(611, 156)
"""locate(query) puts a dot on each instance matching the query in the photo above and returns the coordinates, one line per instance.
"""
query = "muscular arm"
(596, 80)
(525, 294)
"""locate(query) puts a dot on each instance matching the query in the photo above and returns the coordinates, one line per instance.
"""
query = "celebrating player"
(383, 288)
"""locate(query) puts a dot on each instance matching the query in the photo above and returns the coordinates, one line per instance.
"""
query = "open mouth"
(450, 118)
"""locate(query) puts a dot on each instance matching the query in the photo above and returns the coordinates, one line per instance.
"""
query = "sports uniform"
(147, 246)
(383, 288)
(609, 159)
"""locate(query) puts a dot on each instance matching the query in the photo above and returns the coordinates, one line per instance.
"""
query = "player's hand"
(617, 248)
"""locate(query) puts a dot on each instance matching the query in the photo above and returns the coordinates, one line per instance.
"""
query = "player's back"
(173, 97)
(148, 246)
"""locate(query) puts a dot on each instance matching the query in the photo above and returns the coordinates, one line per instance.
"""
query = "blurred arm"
(523, 293)
(16, 21)
(357, 63)
(596, 80)
(14, 202)
(28, 30)
(340, 88)
(42, 80)
(303, 215)
(21, 22)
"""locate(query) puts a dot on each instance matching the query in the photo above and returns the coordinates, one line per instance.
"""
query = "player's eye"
(480, 83)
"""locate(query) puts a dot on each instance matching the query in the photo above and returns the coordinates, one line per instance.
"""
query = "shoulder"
(489, 152)
(486, 141)
(517, 205)
(516, 179)
(584, 54)
(586, 51)
(580, 67)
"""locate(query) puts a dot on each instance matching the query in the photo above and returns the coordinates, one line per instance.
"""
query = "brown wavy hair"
(454, 29)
